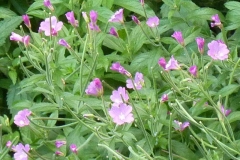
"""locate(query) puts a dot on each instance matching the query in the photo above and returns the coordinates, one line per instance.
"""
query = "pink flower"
(59, 153)
(142, 2)
(95, 88)
(93, 21)
(119, 96)
(71, 19)
(58, 143)
(164, 98)
(21, 151)
(135, 19)
(16, 37)
(178, 36)
(218, 50)
(117, 17)
(73, 148)
(200, 42)
(53, 29)
(48, 4)
(117, 67)
(138, 81)
(64, 43)
(153, 21)
(216, 21)
(162, 62)
(122, 114)
(8, 144)
(226, 112)
(193, 70)
(172, 64)
(21, 118)
(179, 126)
(113, 32)
(26, 20)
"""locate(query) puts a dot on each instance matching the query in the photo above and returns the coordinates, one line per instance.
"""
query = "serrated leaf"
(227, 90)
(183, 151)
(7, 26)
(114, 43)
(6, 13)
(234, 116)
(137, 39)
(13, 76)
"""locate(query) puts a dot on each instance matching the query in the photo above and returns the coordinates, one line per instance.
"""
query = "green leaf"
(183, 151)
(7, 26)
(13, 75)
(107, 3)
(227, 90)
(234, 116)
(134, 6)
(104, 13)
(51, 123)
(6, 13)
(232, 5)
(114, 43)
(137, 39)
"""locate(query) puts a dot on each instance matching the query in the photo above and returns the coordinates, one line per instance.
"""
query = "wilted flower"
(64, 43)
(153, 21)
(193, 70)
(21, 118)
(179, 126)
(93, 21)
(216, 21)
(48, 4)
(172, 64)
(121, 114)
(26, 20)
(218, 50)
(21, 151)
(119, 96)
(117, 67)
(164, 98)
(200, 43)
(73, 148)
(142, 2)
(226, 112)
(113, 32)
(95, 88)
(59, 153)
(162, 62)
(135, 19)
(59, 143)
(117, 17)
(71, 19)
(138, 81)
(178, 36)
(85, 17)
(53, 29)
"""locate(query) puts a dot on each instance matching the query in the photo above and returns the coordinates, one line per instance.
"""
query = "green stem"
(170, 156)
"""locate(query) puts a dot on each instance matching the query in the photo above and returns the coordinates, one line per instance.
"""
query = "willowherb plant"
(96, 85)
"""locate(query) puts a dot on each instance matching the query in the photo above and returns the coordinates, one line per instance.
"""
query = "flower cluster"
(171, 65)
(16, 37)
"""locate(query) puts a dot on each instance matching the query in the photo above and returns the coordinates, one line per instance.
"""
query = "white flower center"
(121, 116)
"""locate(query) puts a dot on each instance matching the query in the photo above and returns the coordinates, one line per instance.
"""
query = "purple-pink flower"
(21, 151)
(117, 17)
(172, 64)
(164, 98)
(95, 88)
(51, 28)
(73, 148)
(216, 21)
(26, 20)
(135, 19)
(59, 143)
(153, 21)
(162, 62)
(117, 67)
(59, 153)
(119, 96)
(8, 144)
(179, 126)
(93, 21)
(142, 2)
(200, 43)
(226, 112)
(71, 19)
(62, 42)
(138, 81)
(121, 114)
(21, 118)
(113, 32)
(16, 37)
(178, 36)
(48, 4)
(218, 50)
(193, 70)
